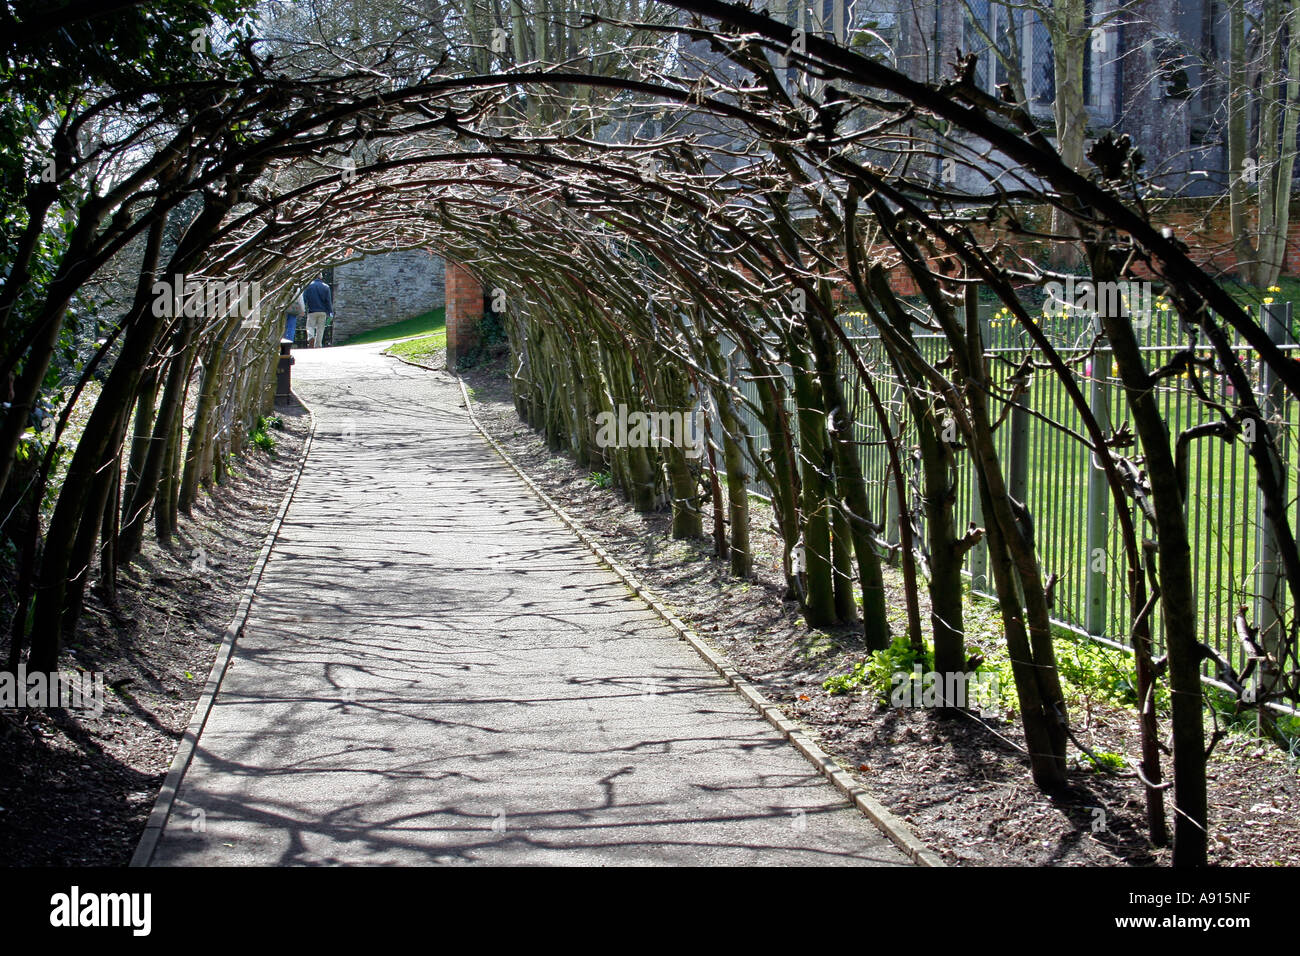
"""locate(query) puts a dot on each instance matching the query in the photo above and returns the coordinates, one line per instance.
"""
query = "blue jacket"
(317, 297)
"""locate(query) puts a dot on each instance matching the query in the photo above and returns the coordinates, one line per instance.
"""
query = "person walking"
(297, 309)
(320, 305)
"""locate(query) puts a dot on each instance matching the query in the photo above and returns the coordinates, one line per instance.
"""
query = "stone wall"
(382, 289)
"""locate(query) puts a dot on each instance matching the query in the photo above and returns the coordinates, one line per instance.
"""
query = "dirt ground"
(962, 784)
(75, 789)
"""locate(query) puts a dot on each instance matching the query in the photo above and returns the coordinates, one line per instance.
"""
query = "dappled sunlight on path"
(435, 670)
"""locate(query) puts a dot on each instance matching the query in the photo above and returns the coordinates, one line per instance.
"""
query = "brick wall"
(1203, 224)
(1207, 229)
(464, 310)
(382, 289)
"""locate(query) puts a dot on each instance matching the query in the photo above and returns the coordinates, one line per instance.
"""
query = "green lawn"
(433, 321)
(421, 349)
(1249, 296)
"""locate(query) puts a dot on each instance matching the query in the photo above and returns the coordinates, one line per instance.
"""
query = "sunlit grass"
(427, 322)
(421, 349)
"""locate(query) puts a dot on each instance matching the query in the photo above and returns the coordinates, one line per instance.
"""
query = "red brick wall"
(1208, 230)
(1203, 224)
(464, 310)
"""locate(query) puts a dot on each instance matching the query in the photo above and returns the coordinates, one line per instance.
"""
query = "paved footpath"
(435, 670)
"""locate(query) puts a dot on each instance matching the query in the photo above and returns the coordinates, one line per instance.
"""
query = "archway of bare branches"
(723, 193)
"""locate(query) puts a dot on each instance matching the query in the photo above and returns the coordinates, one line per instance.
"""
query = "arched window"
(1013, 44)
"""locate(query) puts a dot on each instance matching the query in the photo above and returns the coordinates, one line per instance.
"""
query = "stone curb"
(897, 831)
(427, 368)
(166, 800)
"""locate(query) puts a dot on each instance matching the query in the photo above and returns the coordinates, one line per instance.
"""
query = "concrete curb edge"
(166, 800)
(895, 829)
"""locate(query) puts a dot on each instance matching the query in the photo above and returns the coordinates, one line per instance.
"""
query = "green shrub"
(844, 683)
(878, 670)
(261, 437)
(1106, 760)
(898, 657)
(1095, 672)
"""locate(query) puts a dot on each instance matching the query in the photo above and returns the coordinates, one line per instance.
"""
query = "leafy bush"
(1107, 760)
(878, 670)
(898, 657)
(261, 437)
(844, 683)
(1094, 672)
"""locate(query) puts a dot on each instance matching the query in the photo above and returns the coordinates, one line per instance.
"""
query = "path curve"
(435, 670)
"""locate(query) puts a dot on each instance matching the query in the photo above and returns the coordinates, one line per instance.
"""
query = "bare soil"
(961, 783)
(76, 789)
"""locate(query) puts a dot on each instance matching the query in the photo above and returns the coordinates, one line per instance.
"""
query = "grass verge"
(420, 350)
(435, 320)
